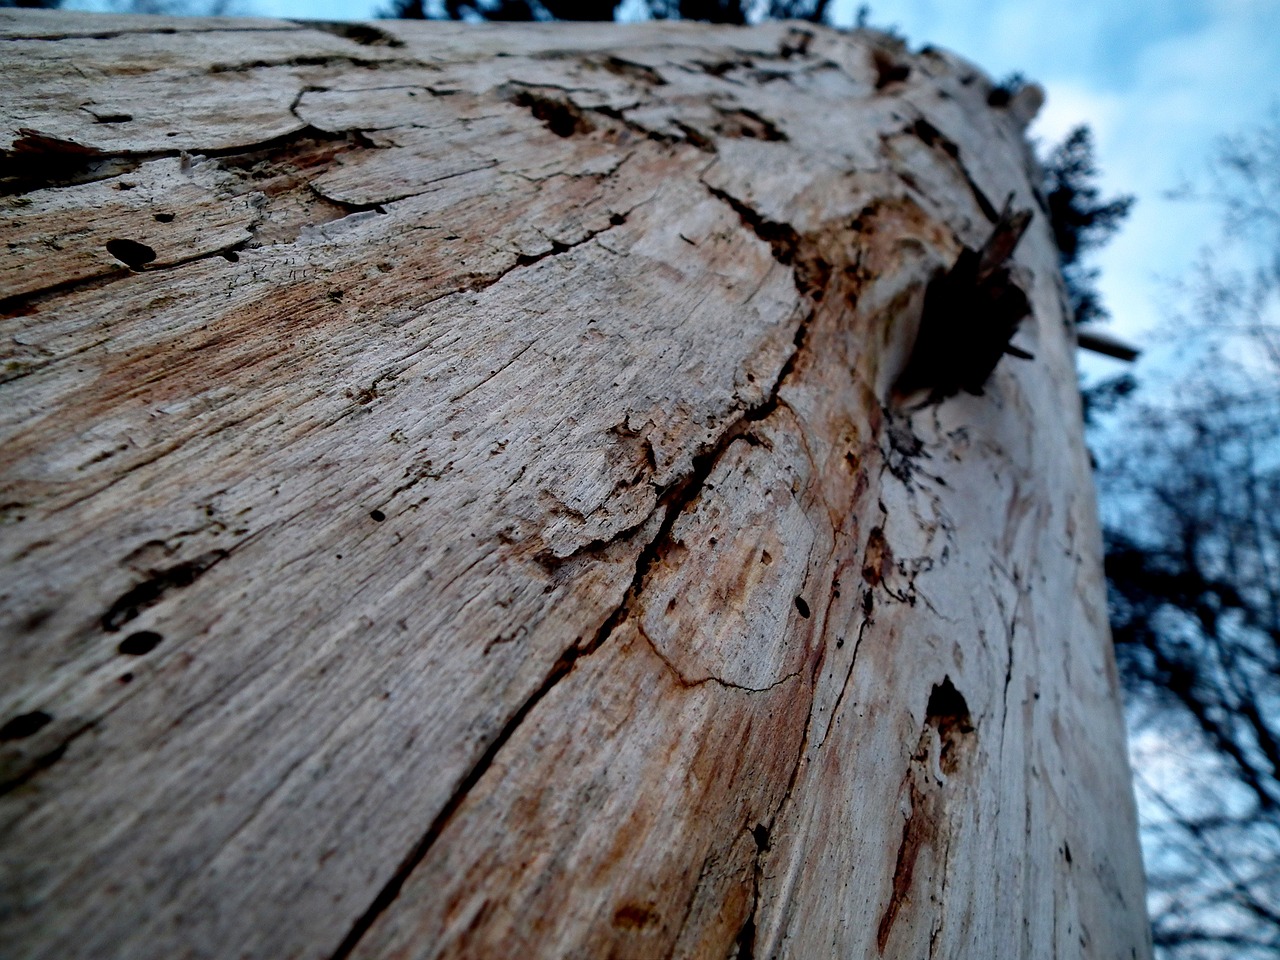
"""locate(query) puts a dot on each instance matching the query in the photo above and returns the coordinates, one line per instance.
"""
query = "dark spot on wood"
(360, 33)
(33, 767)
(1066, 851)
(839, 642)
(742, 123)
(131, 253)
(783, 240)
(878, 559)
(377, 515)
(868, 603)
(33, 142)
(948, 713)
(24, 725)
(231, 256)
(695, 137)
(760, 833)
(635, 915)
(125, 678)
(163, 217)
(745, 942)
(933, 137)
(617, 219)
(36, 620)
(802, 607)
(528, 259)
(561, 117)
(150, 591)
(905, 448)
(888, 70)
(37, 160)
(633, 71)
(719, 68)
(113, 118)
(796, 43)
(140, 643)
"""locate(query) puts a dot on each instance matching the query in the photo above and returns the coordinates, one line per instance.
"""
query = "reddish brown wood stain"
(578, 579)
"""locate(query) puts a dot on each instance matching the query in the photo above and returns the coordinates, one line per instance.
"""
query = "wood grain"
(454, 504)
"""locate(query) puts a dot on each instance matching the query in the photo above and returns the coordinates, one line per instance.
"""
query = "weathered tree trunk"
(456, 504)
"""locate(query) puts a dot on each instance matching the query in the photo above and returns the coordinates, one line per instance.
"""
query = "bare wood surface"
(454, 504)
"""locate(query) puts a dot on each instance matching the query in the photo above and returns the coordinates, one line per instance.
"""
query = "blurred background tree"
(1189, 482)
(712, 11)
(1081, 219)
(186, 8)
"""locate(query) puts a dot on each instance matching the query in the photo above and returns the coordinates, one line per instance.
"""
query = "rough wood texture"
(454, 504)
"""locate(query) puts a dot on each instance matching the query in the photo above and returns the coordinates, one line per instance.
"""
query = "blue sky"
(1157, 80)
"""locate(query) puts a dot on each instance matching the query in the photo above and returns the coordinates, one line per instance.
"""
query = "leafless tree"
(712, 11)
(1190, 484)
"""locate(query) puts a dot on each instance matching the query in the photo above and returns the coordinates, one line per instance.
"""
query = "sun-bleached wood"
(455, 505)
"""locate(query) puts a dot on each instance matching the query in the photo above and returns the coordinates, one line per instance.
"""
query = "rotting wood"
(455, 504)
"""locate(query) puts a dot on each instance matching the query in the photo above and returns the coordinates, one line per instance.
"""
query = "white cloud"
(1068, 105)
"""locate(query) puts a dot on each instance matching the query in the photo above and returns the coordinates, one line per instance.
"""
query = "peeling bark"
(455, 503)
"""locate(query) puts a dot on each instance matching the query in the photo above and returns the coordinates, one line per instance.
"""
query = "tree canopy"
(712, 11)
(1189, 476)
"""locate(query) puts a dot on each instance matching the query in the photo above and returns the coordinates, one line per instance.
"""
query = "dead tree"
(461, 498)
